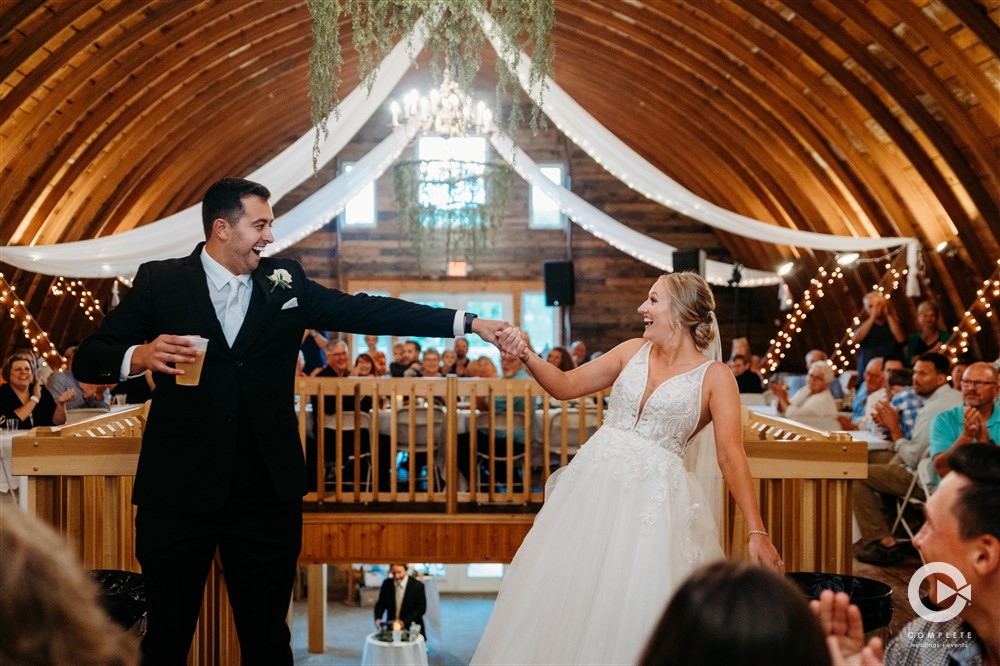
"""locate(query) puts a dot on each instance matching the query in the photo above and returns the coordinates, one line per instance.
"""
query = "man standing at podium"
(221, 466)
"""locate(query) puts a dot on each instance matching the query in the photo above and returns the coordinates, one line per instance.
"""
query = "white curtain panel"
(633, 170)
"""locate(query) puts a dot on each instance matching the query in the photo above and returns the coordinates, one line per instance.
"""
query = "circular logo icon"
(960, 589)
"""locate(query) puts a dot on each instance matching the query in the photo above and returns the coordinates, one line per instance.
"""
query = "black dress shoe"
(876, 553)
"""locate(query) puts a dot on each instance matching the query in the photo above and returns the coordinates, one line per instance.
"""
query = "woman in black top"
(25, 401)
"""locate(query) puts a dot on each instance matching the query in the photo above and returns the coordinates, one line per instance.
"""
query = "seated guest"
(873, 381)
(813, 399)
(430, 363)
(715, 618)
(929, 335)
(364, 366)
(512, 367)
(746, 381)
(336, 361)
(411, 359)
(958, 369)
(448, 358)
(26, 402)
(93, 396)
(962, 530)
(397, 368)
(459, 367)
(578, 351)
(402, 598)
(976, 420)
(51, 613)
(903, 399)
(561, 358)
(930, 381)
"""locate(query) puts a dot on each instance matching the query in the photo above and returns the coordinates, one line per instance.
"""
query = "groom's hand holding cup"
(171, 355)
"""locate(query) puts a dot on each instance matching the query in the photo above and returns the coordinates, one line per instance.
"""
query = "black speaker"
(559, 287)
(689, 261)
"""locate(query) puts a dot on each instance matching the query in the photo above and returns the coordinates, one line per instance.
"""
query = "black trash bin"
(873, 598)
(124, 596)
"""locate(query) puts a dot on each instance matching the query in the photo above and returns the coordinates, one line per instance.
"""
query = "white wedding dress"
(624, 526)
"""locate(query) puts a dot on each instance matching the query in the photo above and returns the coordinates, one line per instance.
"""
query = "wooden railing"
(445, 440)
(802, 477)
(80, 482)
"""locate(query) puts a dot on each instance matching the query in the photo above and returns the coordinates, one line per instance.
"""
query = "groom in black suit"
(401, 598)
(221, 465)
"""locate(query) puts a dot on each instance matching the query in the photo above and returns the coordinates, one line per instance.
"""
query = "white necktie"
(234, 311)
(399, 598)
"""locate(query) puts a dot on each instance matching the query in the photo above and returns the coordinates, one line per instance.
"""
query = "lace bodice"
(672, 411)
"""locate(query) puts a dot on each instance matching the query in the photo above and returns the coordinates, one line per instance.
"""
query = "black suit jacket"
(411, 610)
(190, 440)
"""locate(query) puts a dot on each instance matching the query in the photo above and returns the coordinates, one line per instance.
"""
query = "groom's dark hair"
(224, 199)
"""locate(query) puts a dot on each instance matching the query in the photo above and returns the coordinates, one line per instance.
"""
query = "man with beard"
(976, 420)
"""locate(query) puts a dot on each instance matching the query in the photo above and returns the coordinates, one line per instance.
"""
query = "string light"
(969, 326)
(36, 336)
(77, 289)
(844, 350)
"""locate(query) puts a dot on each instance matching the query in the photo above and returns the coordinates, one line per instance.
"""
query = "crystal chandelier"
(446, 111)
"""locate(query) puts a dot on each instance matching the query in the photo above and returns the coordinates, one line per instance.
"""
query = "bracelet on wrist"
(760, 532)
(34, 398)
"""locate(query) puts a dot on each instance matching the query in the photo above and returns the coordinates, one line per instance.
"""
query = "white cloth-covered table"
(377, 653)
(9, 482)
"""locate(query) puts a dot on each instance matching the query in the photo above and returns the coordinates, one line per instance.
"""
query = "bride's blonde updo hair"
(692, 302)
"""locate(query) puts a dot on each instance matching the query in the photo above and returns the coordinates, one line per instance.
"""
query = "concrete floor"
(463, 619)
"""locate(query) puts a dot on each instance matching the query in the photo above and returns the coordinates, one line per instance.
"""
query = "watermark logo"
(961, 590)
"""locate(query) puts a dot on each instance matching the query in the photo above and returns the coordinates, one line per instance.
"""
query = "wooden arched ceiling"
(860, 117)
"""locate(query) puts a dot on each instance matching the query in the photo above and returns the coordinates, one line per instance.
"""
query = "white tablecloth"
(875, 441)
(9, 482)
(377, 653)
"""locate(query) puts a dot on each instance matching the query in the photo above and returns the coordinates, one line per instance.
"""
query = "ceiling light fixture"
(847, 258)
(785, 268)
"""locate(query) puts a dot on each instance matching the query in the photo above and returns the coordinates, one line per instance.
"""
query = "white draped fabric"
(632, 169)
(177, 234)
(121, 254)
(612, 231)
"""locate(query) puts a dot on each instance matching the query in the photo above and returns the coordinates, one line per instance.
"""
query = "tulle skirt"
(623, 527)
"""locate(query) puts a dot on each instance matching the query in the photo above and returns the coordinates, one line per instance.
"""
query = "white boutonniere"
(280, 278)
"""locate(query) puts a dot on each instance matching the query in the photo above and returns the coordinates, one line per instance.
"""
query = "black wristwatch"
(468, 322)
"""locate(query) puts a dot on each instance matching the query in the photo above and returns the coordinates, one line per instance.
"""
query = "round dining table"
(407, 653)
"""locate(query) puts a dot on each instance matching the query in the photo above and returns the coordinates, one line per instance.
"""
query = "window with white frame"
(362, 209)
(545, 213)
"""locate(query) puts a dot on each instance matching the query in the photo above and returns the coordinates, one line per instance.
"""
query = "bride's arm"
(588, 378)
(725, 412)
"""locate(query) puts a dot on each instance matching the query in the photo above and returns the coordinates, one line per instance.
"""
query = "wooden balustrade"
(802, 477)
(80, 479)
(446, 440)
(438, 432)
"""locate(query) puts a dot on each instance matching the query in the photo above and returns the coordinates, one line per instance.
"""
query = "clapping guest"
(26, 400)
(813, 399)
(94, 396)
(411, 359)
(397, 368)
(461, 357)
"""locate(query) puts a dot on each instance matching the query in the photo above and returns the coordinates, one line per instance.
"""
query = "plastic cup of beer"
(192, 371)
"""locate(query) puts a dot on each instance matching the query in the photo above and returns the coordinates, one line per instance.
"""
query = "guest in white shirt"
(813, 399)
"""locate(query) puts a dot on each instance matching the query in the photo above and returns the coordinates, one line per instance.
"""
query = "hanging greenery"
(475, 195)
(454, 38)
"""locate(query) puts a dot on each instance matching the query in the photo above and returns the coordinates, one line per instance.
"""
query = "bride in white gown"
(626, 523)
